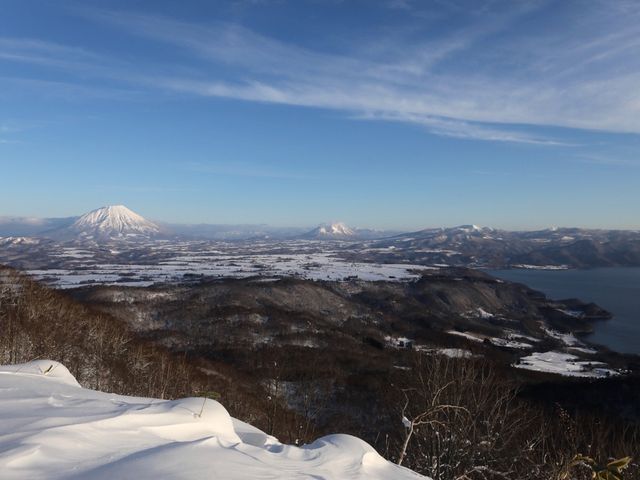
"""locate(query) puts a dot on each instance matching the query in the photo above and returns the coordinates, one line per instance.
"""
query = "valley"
(444, 310)
(329, 286)
(317, 332)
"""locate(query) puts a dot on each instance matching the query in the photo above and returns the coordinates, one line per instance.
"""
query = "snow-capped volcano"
(112, 222)
(332, 231)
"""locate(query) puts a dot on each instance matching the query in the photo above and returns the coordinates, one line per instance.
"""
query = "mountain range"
(470, 245)
(465, 245)
(119, 222)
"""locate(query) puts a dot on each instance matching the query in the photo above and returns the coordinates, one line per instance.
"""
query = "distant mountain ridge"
(463, 245)
(473, 246)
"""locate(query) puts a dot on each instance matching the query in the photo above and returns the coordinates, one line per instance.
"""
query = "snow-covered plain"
(564, 364)
(51, 428)
(177, 266)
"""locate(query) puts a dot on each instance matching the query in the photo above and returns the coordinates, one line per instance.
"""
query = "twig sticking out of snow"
(199, 415)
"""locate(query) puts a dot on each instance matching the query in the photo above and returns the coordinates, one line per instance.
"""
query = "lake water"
(614, 289)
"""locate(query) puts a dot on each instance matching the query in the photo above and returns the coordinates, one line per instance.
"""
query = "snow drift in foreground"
(51, 427)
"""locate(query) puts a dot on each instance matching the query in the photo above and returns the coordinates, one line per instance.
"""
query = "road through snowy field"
(51, 428)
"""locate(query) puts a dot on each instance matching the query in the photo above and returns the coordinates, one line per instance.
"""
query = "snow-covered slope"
(332, 231)
(113, 222)
(51, 428)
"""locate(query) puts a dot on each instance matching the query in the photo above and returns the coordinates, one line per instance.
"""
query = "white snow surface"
(114, 220)
(478, 313)
(51, 428)
(499, 342)
(469, 336)
(541, 267)
(454, 352)
(316, 266)
(568, 339)
(9, 241)
(564, 364)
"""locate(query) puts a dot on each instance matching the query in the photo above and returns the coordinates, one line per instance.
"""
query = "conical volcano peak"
(114, 221)
(335, 230)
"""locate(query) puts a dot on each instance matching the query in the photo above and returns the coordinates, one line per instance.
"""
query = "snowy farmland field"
(51, 428)
(175, 262)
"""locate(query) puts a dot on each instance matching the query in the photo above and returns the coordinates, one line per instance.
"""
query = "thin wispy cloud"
(240, 169)
(549, 90)
(73, 91)
(7, 128)
(8, 131)
(145, 188)
(470, 131)
(46, 53)
(467, 84)
(607, 160)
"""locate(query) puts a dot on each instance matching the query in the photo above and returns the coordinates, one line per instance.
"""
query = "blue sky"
(390, 114)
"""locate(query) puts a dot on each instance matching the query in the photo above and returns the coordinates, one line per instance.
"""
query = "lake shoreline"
(615, 289)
